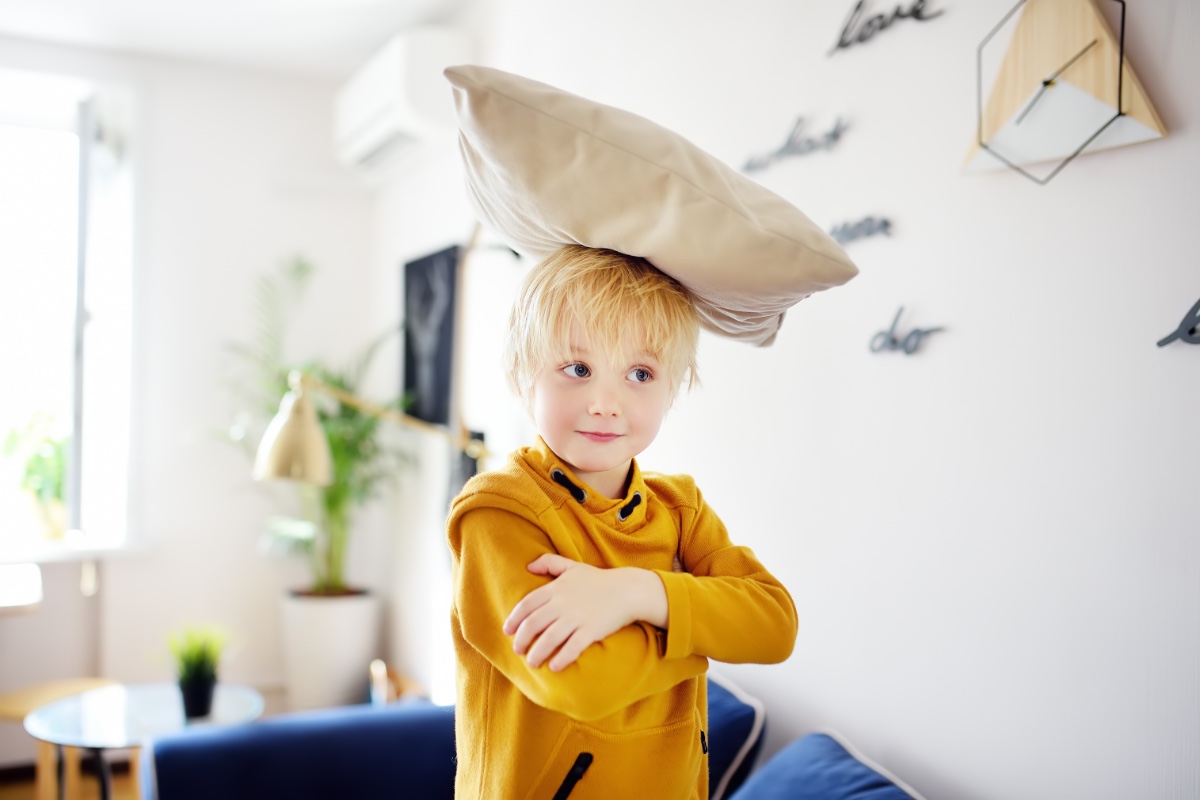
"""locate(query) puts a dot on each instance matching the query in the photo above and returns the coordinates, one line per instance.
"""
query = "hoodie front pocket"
(585, 762)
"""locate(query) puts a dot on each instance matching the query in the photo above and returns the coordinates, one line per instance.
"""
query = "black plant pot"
(197, 698)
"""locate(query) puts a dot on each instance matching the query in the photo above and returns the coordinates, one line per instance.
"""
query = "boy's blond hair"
(620, 300)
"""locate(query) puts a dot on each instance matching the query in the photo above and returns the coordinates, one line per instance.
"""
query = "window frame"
(98, 132)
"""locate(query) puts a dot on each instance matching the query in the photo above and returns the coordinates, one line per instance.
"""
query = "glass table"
(124, 715)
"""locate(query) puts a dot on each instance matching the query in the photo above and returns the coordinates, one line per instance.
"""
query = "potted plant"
(42, 449)
(197, 652)
(326, 645)
(363, 463)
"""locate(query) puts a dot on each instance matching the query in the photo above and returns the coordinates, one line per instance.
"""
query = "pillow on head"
(821, 767)
(546, 168)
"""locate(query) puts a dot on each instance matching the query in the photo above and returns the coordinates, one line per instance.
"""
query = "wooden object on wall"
(1071, 41)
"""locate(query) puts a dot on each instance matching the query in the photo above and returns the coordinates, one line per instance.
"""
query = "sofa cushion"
(736, 724)
(545, 168)
(822, 767)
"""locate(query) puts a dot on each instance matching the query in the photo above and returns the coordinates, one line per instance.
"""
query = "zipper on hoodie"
(574, 774)
(703, 743)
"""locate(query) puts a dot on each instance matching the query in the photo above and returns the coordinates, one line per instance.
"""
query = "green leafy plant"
(197, 651)
(45, 455)
(362, 460)
(43, 451)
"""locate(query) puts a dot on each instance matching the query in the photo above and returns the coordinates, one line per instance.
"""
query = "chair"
(16, 705)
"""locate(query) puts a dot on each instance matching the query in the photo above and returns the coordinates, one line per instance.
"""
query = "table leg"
(103, 774)
(48, 782)
(57, 772)
(71, 787)
(135, 771)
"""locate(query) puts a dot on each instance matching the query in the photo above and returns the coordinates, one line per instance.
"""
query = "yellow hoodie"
(628, 718)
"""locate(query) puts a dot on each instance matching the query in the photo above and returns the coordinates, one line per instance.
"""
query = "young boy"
(588, 595)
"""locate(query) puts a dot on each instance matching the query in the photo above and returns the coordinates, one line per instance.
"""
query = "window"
(65, 317)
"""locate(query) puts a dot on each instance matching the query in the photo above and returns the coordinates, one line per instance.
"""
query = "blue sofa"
(406, 750)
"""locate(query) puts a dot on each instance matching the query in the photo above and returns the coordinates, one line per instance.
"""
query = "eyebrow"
(576, 349)
(637, 358)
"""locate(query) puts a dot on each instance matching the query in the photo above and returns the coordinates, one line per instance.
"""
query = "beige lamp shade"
(294, 445)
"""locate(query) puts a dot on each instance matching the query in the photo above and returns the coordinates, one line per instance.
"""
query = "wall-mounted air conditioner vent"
(399, 98)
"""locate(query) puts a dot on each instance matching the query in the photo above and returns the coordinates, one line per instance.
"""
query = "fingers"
(533, 627)
(562, 644)
(528, 604)
(550, 564)
(548, 623)
(547, 564)
(571, 650)
(551, 639)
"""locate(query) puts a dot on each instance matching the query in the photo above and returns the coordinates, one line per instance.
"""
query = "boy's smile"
(597, 413)
(599, 437)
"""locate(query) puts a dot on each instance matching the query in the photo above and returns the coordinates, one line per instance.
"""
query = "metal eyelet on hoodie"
(559, 477)
(628, 508)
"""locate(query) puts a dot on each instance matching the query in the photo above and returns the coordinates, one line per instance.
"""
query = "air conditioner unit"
(399, 98)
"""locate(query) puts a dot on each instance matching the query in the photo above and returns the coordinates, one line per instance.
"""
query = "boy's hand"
(582, 605)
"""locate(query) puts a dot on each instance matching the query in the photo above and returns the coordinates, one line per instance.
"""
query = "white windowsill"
(56, 551)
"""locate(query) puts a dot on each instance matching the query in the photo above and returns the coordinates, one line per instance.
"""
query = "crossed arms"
(587, 641)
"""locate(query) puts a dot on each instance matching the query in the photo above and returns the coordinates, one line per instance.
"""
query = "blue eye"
(577, 370)
(639, 375)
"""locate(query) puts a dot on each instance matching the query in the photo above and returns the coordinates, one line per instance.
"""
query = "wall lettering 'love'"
(857, 30)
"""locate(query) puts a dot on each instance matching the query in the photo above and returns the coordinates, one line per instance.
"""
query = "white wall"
(994, 545)
(421, 210)
(236, 173)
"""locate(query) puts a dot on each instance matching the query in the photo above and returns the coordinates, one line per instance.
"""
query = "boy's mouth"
(597, 436)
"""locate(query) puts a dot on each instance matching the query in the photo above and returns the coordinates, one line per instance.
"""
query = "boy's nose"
(603, 402)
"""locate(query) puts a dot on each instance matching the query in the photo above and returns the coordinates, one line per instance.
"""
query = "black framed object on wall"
(430, 288)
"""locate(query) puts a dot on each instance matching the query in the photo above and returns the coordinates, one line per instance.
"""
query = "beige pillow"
(545, 168)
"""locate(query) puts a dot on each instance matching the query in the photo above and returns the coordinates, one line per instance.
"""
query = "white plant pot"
(328, 643)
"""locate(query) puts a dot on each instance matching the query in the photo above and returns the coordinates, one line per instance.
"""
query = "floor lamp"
(294, 445)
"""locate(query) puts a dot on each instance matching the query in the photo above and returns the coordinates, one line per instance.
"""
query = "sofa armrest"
(395, 751)
(736, 725)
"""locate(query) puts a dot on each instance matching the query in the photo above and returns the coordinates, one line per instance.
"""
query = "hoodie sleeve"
(726, 605)
(491, 544)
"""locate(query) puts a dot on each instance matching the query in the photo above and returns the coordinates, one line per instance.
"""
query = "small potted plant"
(197, 651)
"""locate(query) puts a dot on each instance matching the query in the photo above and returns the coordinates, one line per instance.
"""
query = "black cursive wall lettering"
(857, 30)
(867, 226)
(1188, 330)
(890, 341)
(798, 144)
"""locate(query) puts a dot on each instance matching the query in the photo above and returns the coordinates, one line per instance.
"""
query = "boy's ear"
(745, 253)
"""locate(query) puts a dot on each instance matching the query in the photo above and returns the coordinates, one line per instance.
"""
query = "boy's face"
(597, 414)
